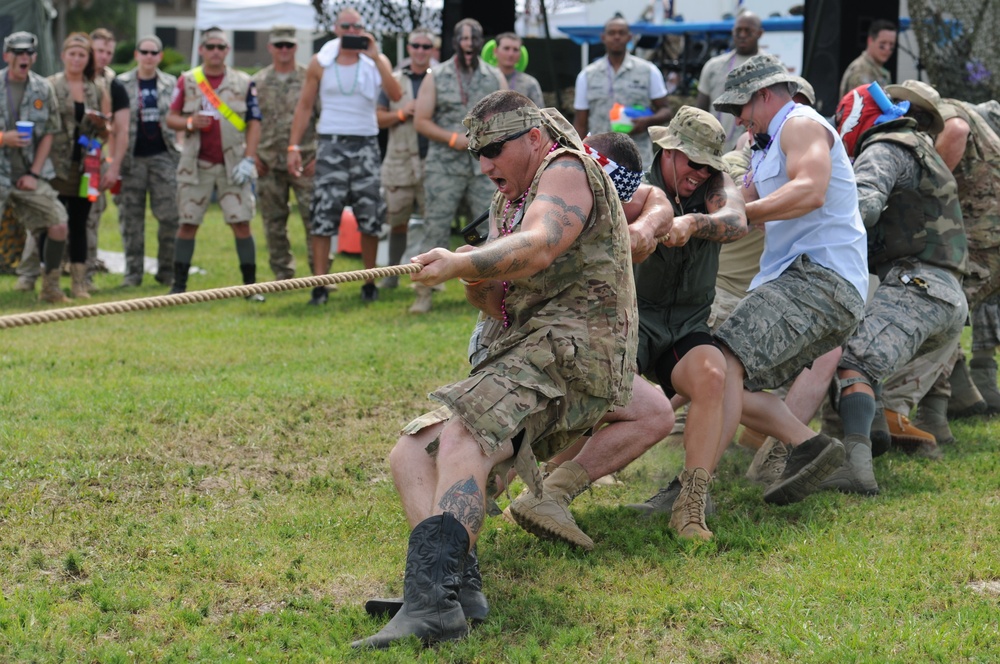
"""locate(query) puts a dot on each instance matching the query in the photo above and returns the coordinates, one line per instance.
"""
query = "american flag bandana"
(626, 181)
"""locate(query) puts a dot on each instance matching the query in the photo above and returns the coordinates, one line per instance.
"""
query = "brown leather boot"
(549, 517)
(688, 515)
(50, 288)
(78, 272)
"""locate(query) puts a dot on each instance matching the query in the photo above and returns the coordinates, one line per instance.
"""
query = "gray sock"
(54, 250)
(246, 250)
(857, 410)
(184, 251)
(397, 246)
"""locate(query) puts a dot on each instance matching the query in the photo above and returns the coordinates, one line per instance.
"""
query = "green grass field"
(209, 483)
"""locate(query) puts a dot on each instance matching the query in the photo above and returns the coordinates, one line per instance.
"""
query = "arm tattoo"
(725, 224)
(465, 502)
(498, 257)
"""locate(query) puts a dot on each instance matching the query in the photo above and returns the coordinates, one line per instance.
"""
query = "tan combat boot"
(50, 288)
(78, 272)
(549, 517)
(25, 283)
(688, 516)
(423, 303)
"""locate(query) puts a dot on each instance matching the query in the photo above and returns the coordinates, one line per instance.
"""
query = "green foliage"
(209, 483)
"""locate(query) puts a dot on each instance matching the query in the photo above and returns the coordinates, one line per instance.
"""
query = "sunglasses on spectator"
(284, 45)
(493, 150)
(348, 26)
(143, 51)
(21, 51)
(422, 47)
(216, 47)
(695, 166)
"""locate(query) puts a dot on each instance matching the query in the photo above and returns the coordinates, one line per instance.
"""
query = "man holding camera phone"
(347, 74)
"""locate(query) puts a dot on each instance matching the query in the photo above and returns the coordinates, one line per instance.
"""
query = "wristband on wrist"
(469, 284)
(35, 175)
(401, 115)
(190, 123)
(110, 160)
(294, 148)
(454, 137)
(1, 138)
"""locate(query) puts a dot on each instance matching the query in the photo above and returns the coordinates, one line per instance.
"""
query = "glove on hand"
(245, 171)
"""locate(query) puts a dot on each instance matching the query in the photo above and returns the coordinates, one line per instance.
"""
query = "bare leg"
(369, 252)
(810, 386)
(701, 377)
(415, 473)
(320, 254)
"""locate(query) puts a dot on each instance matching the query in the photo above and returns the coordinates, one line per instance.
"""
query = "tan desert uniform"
(402, 168)
(190, 196)
(37, 209)
(276, 95)
(861, 71)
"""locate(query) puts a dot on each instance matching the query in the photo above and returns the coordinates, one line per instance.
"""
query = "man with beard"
(621, 78)
(747, 32)
(448, 93)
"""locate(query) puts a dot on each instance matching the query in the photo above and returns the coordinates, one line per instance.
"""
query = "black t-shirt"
(119, 97)
(148, 135)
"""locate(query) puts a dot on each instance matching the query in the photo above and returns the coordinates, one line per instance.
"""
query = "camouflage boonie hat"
(282, 34)
(694, 132)
(20, 40)
(805, 89)
(760, 71)
(924, 97)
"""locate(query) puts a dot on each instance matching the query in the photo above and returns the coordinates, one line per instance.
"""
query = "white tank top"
(347, 94)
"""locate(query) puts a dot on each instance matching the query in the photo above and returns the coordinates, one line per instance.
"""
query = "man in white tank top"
(347, 81)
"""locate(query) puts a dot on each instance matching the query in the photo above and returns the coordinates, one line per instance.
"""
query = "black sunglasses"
(21, 51)
(493, 150)
(695, 166)
(348, 26)
(216, 47)
(421, 47)
(143, 51)
(284, 45)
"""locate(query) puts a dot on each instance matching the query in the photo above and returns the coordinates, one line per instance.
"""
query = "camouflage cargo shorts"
(918, 308)
(348, 172)
(36, 210)
(781, 326)
(236, 200)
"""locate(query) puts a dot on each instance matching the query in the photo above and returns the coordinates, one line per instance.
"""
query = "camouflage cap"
(282, 34)
(694, 132)
(805, 89)
(924, 97)
(20, 39)
(212, 33)
(757, 73)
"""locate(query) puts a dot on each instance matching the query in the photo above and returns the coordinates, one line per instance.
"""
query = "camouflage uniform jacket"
(679, 279)
(165, 84)
(861, 71)
(63, 142)
(528, 86)
(453, 101)
(277, 96)
(908, 200)
(978, 177)
(628, 86)
(37, 105)
(233, 92)
(580, 310)
(402, 166)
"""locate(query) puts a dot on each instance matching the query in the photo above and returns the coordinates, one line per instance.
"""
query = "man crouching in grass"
(559, 277)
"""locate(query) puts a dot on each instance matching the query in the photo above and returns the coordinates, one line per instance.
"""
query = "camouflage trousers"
(93, 225)
(347, 173)
(273, 199)
(36, 210)
(986, 324)
(781, 326)
(443, 194)
(916, 310)
(983, 281)
(925, 374)
(155, 176)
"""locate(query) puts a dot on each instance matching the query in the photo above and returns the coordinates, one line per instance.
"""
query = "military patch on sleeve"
(38, 104)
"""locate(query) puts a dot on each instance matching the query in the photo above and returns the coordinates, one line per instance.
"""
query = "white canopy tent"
(257, 16)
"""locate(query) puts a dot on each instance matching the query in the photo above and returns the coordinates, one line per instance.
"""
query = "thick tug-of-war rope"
(159, 301)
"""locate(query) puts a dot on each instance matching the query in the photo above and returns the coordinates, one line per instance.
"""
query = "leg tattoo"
(465, 502)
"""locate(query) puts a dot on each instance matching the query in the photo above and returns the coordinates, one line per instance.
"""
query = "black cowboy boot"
(435, 563)
(471, 597)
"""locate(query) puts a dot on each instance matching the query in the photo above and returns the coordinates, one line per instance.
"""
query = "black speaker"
(495, 17)
(835, 32)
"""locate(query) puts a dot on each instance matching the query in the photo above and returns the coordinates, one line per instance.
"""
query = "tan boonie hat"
(924, 97)
(282, 34)
(757, 73)
(694, 132)
(20, 40)
(213, 33)
(805, 89)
